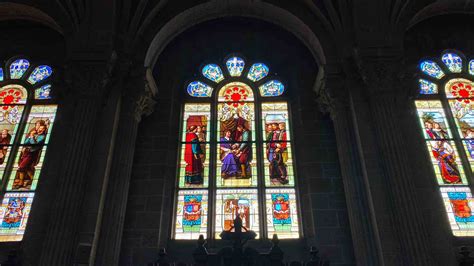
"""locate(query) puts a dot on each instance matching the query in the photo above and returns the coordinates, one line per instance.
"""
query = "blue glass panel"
(432, 69)
(199, 89)
(1, 74)
(18, 68)
(471, 67)
(43, 92)
(453, 62)
(235, 66)
(40, 73)
(257, 72)
(272, 88)
(213, 72)
(428, 87)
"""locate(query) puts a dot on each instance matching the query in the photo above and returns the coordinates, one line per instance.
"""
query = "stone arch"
(440, 8)
(215, 9)
(14, 11)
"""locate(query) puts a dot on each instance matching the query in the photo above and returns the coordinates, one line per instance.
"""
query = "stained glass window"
(431, 69)
(236, 157)
(213, 72)
(471, 67)
(27, 116)
(257, 72)
(235, 66)
(447, 122)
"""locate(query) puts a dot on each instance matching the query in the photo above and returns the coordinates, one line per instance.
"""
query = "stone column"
(388, 98)
(83, 85)
(134, 104)
(334, 97)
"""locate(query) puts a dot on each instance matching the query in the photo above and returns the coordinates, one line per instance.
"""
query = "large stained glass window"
(446, 113)
(27, 114)
(236, 155)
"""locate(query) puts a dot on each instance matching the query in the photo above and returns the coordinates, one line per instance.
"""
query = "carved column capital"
(331, 93)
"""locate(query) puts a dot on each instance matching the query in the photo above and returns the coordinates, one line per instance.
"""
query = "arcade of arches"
(344, 125)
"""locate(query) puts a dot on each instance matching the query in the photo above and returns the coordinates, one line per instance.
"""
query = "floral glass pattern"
(26, 122)
(235, 157)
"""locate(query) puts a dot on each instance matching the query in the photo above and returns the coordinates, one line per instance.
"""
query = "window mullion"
(457, 138)
(211, 211)
(260, 171)
(14, 148)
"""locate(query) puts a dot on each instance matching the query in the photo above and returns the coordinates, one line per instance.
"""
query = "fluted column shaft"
(358, 196)
(111, 228)
(59, 244)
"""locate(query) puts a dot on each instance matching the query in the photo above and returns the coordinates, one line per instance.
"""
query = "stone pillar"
(388, 98)
(85, 81)
(134, 104)
(334, 97)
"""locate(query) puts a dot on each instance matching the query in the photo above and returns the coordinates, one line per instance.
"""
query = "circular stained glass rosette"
(213, 72)
(431, 69)
(199, 89)
(453, 62)
(257, 72)
(272, 88)
(235, 66)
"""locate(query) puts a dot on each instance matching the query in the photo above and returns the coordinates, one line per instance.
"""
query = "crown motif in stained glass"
(18, 68)
(257, 72)
(199, 89)
(432, 69)
(453, 62)
(235, 66)
(213, 72)
(272, 88)
(40, 73)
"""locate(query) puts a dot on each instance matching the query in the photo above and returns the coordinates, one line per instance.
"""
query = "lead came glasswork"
(432, 69)
(1, 74)
(43, 92)
(246, 163)
(459, 207)
(199, 89)
(257, 72)
(14, 213)
(213, 72)
(40, 73)
(272, 88)
(428, 87)
(453, 62)
(235, 66)
(442, 144)
(18, 68)
(471, 67)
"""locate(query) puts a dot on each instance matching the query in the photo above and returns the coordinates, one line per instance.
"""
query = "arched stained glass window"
(446, 113)
(236, 157)
(27, 115)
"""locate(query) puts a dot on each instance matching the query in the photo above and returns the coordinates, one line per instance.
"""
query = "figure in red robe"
(192, 156)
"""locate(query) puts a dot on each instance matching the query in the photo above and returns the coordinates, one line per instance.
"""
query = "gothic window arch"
(236, 154)
(27, 114)
(445, 107)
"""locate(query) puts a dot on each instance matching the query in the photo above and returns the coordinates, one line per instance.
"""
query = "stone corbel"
(146, 101)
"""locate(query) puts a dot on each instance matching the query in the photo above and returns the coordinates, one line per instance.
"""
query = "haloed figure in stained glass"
(194, 156)
(30, 155)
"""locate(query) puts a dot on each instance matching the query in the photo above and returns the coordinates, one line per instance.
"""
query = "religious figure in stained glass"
(239, 154)
(5, 138)
(193, 156)
(30, 155)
